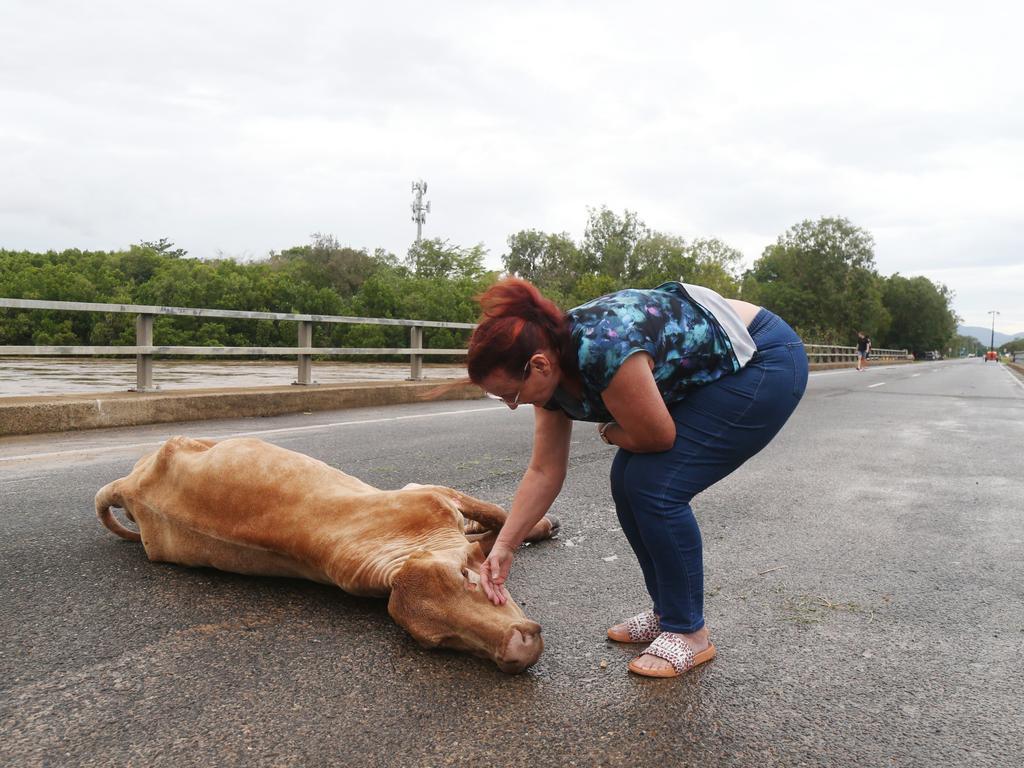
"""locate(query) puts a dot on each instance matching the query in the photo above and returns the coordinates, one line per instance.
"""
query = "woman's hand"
(494, 572)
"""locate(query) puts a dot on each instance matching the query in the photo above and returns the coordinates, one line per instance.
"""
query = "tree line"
(819, 275)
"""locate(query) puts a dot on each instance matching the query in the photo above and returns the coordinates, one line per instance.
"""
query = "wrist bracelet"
(603, 429)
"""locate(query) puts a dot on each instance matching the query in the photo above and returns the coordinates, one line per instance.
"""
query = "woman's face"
(535, 386)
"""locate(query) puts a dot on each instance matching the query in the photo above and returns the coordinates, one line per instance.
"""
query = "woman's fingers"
(491, 589)
(493, 574)
(498, 584)
(485, 582)
(493, 581)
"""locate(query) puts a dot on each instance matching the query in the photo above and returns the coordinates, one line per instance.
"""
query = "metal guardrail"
(826, 353)
(144, 348)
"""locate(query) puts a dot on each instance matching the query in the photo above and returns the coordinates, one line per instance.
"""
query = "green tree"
(921, 312)
(713, 264)
(820, 276)
(325, 263)
(610, 242)
(549, 261)
(966, 345)
(439, 259)
(658, 258)
(164, 247)
(618, 252)
(322, 278)
(142, 260)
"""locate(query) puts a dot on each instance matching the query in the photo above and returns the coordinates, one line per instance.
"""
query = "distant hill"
(984, 334)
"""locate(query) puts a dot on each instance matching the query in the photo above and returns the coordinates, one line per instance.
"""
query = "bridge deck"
(864, 584)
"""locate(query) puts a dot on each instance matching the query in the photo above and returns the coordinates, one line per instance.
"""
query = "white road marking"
(915, 375)
(55, 454)
(840, 371)
(1013, 376)
(306, 428)
(879, 384)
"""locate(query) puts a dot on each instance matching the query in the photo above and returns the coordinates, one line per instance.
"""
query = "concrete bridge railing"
(145, 350)
(823, 354)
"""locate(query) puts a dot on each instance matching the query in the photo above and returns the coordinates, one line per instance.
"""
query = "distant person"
(863, 350)
(687, 384)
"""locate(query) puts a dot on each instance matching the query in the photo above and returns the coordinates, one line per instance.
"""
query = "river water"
(69, 376)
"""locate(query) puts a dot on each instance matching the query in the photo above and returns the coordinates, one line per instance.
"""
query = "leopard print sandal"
(642, 628)
(672, 648)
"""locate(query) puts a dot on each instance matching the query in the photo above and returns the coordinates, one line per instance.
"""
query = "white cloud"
(243, 127)
(981, 290)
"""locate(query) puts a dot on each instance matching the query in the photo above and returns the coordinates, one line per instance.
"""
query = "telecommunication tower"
(419, 208)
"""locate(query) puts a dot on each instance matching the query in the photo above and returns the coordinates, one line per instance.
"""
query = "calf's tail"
(109, 497)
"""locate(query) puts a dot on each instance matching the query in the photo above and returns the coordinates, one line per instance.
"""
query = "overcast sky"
(235, 128)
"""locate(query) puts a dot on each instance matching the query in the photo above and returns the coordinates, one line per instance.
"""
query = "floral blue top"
(688, 345)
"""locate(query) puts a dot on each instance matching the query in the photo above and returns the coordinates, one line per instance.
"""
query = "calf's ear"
(475, 554)
(409, 589)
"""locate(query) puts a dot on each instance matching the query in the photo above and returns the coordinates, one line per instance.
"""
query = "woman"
(687, 384)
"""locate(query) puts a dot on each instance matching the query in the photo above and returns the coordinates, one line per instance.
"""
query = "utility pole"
(992, 341)
(419, 208)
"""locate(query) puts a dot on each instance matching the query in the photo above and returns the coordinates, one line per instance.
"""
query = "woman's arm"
(642, 421)
(537, 490)
(543, 478)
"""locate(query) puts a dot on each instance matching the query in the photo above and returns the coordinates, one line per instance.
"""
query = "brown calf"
(247, 506)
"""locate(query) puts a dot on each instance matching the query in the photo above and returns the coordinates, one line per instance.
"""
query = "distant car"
(972, 355)
(991, 355)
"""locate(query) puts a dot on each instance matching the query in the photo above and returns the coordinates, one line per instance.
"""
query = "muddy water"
(69, 376)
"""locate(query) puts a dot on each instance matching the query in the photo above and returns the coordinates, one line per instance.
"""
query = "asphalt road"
(865, 578)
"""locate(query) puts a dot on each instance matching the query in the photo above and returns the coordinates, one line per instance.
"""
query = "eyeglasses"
(515, 401)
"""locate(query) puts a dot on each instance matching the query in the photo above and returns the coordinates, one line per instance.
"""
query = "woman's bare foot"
(698, 641)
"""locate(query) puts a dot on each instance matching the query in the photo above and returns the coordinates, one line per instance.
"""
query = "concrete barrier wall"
(32, 415)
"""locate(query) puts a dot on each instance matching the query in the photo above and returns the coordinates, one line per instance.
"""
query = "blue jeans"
(718, 427)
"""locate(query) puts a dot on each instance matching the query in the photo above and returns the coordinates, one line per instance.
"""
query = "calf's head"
(437, 598)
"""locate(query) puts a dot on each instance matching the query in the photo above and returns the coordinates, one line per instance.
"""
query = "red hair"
(517, 322)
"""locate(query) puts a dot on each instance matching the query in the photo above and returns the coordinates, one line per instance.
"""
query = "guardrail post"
(144, 363)
(416, 342)
(305, 361)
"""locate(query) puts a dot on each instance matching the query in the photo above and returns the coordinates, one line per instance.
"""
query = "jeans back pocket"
(798, 355)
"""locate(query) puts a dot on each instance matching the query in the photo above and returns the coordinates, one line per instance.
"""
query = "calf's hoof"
(545, 528)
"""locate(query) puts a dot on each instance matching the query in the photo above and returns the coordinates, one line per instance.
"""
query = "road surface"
(865, 576)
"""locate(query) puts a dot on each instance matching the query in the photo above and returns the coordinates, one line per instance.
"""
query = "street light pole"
(992, 341)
